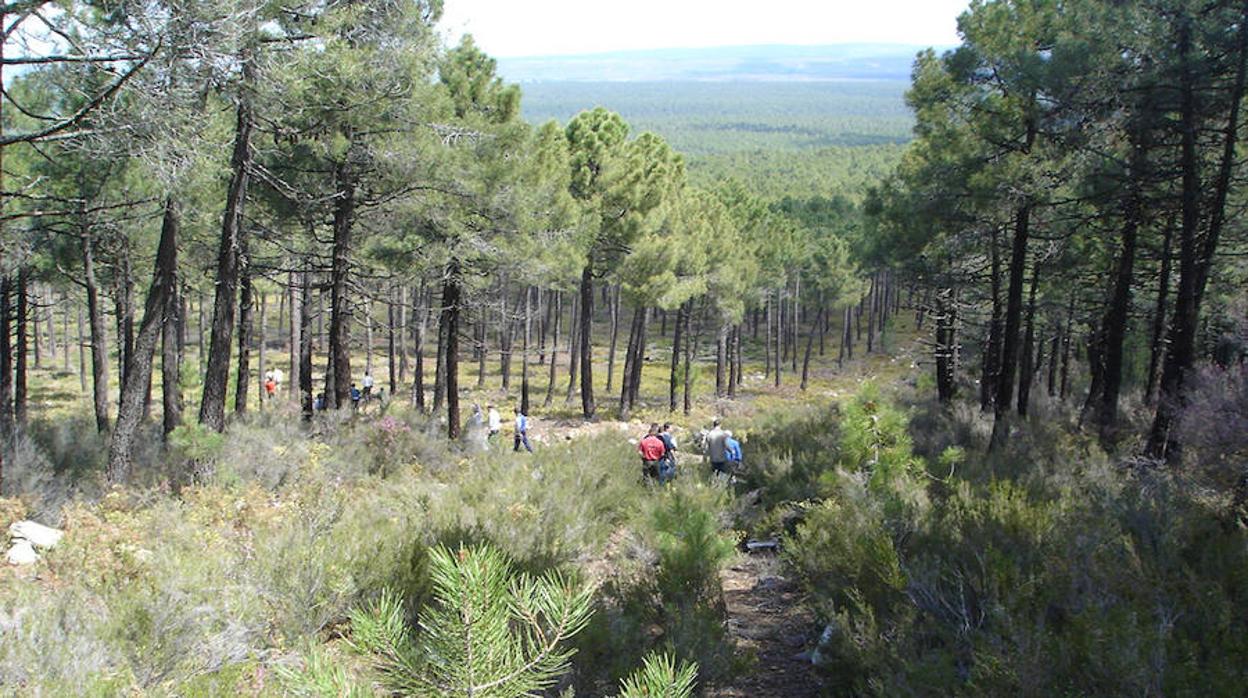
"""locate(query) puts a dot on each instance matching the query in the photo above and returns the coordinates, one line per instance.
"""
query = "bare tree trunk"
(246, 305)
(481, 336)
(139, 372)
(217, 372)
(172, 324)
(305, 343)
(524, 354)
(1026, 372)
(631, 357)
(297, 310)
(418, 365)
(401, 310)
(1157, 345)
(721, 359)
(779, 364)
(585, 337)
(99, 347)
(263, 365)
(810, 343)
(6, 364)
(391, 363)
(82, 353)
(691, 350)
(946, 345)
(574, 346)
(554, 348)
(340, 304)
(23, 345)
(614, 307)
(678, 329)
(766, 339)
(450, 321)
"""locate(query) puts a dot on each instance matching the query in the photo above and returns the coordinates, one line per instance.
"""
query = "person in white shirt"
(494, 421)
(368, 386)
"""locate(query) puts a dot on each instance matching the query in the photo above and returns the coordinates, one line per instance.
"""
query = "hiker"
(494, 421)
(318, 405)
(368, 386)
(715, 451)
(667, 465)
(732, 449)
(270, 387)
(278, 377)
(355, 396)
(652, 450)
(522, 431)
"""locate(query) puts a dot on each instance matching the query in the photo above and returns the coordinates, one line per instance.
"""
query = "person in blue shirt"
(522, 431)
(355, 396)
(732, 449)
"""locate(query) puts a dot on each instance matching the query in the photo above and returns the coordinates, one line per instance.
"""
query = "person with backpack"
(667, 464)
(732, 449)
(522, 431)
(652, 449)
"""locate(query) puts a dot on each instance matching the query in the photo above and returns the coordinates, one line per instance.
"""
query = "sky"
(513, 28)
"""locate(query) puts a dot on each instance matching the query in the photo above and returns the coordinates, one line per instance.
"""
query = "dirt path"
(768, 623)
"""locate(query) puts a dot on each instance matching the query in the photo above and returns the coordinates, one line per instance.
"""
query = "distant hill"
(840, 62)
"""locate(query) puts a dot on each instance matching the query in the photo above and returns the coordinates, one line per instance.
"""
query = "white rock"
(22, 553)
(39, 535)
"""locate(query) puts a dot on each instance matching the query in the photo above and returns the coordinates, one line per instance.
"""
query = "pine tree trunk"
(678, 329)
(482, 335)
(613, 307)
(262, 365)
(340, 269)
(99, 346)
(691, 349)
(810, 344)
(139, 372)
(557, 303)
(1157, 345)
(1013, 320)
(297, 309)
(401, 310)
(246, 328)
(721, 359)
(23, 344)
(1026, 372)
(946, 345)
(306, 401)
(872, 302)
(172, 324)
(574, 346)
(630, 359)
(418, 364)
(586, 342)
(992, 349)
(217, 371)
(639, 361)
(779, 337)
(1114, 324)
(391, 363)
(82, 353)
(6, 365)
(734, 360)
(524, 353)
(450, 321)
(766, 339)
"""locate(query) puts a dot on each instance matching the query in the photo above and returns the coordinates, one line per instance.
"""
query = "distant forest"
(780, 138)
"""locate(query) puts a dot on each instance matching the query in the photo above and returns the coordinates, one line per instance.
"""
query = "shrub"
(660, 677)
(489, 631)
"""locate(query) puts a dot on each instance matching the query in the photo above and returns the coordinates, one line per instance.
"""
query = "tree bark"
(23, 344)
(1026, 372)
(524, 353)
(614, 309)
(1013, 319)
(450, 321)
(946, 345)
(139, 373)
(677, 336)
(305, 343)
(340, 270)
(557, 302)
(172, 322)
(99, 346)
(217, 372)
(586, 342)
(1157, 345)
(297, 309)
(246, 328)
(6, 364)
(391, 362)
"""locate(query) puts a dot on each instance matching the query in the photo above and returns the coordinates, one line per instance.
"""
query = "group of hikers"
(658, 452)
(357, 395)
(492, 421)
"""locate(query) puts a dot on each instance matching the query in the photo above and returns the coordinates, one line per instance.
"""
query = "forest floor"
(770, 625)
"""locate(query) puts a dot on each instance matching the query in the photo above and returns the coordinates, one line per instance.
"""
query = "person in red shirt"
(652, 449)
